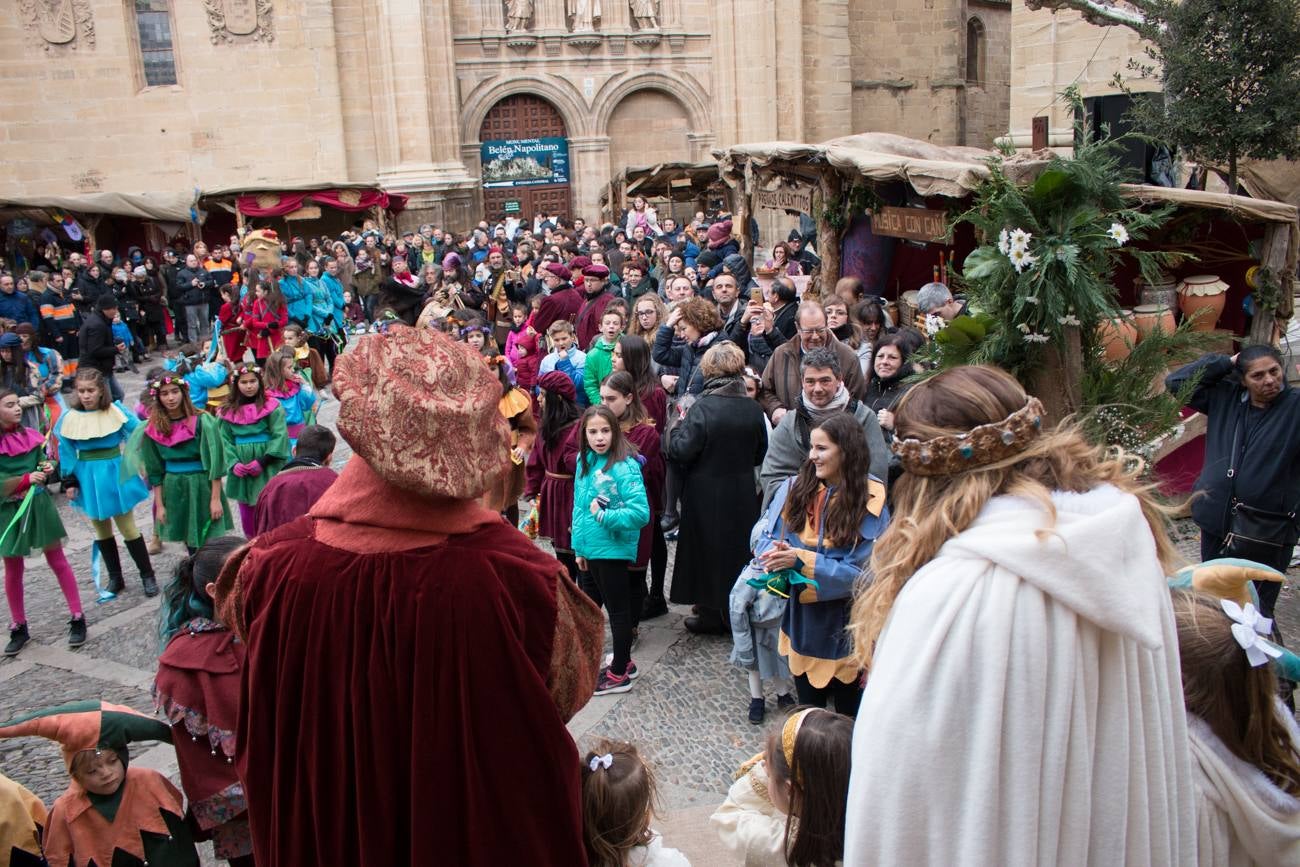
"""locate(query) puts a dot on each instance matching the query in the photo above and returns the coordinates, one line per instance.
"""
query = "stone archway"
(525, 162)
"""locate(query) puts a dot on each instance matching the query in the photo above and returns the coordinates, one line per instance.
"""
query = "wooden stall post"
(1273, 255)
(745, 207)
(827, 193)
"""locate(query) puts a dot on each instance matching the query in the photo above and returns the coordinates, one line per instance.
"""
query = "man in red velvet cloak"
(412, 659)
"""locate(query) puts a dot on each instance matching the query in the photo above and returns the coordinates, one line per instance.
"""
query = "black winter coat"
(717, 446)
(1267, 444)
(96, 342)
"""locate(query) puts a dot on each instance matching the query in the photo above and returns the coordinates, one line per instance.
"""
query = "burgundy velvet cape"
(395, 707)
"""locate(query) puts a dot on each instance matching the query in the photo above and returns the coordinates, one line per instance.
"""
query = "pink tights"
(248, 520)
(62, 571)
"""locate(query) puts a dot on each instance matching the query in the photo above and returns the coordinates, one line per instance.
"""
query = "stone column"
(589, 172)
(417, 111)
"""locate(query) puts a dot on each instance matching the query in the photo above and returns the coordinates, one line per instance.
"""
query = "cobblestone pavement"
(686, 712)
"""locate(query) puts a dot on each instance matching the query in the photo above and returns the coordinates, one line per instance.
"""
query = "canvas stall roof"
(166, 207)
(664, 180)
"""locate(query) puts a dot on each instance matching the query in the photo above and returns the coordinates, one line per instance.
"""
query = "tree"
(1230, 70)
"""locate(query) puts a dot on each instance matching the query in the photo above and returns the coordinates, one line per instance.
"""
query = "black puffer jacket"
(1267, 444)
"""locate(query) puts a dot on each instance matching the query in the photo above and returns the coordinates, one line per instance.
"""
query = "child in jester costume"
(112, 813)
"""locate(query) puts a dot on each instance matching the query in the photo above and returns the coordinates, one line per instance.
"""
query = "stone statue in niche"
(584, 14)
(59, 22)
(519, 15)
(646, 14)
(240, 20)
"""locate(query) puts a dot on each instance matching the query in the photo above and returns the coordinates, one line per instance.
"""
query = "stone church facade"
(148, 96)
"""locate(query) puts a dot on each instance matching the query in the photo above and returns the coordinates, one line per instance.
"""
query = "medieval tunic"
(440, 653)
(90, 459)
(21, 451)
(516, 406)
(185, 462)
(197, 690)
(646, 437)
(253, 433)
(299, 404)
(148, 825)
(291, 494)
(22, 816)
(550, 479)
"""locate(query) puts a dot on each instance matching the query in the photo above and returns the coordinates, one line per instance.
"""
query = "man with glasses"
(782, 381)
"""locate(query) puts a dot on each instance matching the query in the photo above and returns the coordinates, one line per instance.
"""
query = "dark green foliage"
(1231, 76)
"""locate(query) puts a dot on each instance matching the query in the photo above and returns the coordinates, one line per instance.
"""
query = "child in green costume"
(30, 522)
(184, 460)
(256, 440)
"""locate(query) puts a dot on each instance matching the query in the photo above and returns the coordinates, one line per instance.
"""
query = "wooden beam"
(1273, 253)
(828, 189)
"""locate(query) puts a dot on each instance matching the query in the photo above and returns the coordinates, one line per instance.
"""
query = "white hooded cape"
(1242, 817)
(1025, 702)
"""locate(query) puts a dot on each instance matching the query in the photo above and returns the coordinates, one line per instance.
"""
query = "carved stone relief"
(59, 23)
(240, 20)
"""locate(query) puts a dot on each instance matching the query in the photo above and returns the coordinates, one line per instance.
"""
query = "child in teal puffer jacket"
(609, 510)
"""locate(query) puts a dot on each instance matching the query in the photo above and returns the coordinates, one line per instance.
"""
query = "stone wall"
(1050, 51)
(246, 114)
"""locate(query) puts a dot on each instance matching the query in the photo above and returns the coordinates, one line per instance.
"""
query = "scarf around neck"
(820, 414)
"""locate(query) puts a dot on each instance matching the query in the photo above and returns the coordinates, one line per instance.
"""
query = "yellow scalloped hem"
(818, 671)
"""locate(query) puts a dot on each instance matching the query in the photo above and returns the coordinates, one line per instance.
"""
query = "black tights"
(845, 695)
(658, 558)
(609, 584)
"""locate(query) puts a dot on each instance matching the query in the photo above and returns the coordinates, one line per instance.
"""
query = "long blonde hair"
(927, 511)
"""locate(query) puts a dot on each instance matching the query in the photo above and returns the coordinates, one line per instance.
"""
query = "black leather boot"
(112, 563)
(138, 548)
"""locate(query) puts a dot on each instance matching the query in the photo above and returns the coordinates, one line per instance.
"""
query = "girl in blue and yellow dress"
(184, 462)
(30, 523)
(90, 436)
(256, 441)
(296, 396)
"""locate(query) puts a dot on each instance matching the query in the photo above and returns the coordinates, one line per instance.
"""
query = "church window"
(975, 51)
(157, 57)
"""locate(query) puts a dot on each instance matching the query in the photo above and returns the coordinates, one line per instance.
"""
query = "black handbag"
(1256, 534)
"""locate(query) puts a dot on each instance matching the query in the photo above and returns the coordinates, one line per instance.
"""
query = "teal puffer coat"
(613, 534)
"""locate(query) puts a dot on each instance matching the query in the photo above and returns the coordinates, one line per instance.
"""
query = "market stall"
(91, 221)
(890, 202)
(303, 210)
(688, 185)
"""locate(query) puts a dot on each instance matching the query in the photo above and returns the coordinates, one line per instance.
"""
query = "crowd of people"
(901, 563)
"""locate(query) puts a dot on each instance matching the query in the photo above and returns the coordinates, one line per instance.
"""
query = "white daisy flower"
(1036, 338)
(1118, 234)
(1019, 239)
(1022, 259)
(934, 324)
(1069, 320)
(1004, 242)
(1024, 328)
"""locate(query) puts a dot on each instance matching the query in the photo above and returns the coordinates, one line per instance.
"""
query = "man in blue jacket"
(297, 297)
(16, 305)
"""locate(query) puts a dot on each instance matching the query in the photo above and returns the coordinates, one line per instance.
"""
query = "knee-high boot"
(138, 548)
(112, 563)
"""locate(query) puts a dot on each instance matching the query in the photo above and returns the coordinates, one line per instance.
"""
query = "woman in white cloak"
(1023, 702)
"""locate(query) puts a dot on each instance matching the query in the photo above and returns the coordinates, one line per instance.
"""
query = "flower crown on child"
(470, 329)
(241, 369)
(167, 379)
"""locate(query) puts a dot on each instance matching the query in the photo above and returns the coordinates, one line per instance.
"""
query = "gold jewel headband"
(976, 448)
(167, 379)
(790, 733)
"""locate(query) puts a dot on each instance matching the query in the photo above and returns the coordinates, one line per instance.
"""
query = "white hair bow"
(1248, 628)
(604, 761)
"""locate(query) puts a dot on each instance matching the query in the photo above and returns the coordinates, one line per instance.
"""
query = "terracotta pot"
(1204, 292)
(1118, 336)
(1147, 316)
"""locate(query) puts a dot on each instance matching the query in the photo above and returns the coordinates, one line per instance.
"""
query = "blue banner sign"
(525, 162)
